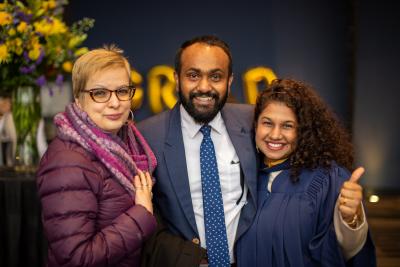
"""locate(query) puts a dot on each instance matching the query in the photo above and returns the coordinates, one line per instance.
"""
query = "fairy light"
(373, 198)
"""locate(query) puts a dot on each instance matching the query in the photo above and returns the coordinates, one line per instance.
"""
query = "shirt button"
(196, 241)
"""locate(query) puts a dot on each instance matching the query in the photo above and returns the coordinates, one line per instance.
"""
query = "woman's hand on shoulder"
(143, 195)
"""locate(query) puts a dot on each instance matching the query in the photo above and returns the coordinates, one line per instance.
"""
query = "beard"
(202, 115)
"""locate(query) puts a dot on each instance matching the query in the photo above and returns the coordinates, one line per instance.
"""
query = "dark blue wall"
(337, 46)
(302, 41)
(377, 95)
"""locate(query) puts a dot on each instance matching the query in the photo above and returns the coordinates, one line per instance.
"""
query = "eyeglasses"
(102, 95)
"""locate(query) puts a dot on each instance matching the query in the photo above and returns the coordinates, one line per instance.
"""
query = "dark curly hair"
(321, 139)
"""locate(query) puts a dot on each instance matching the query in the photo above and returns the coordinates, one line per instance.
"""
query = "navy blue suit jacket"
(171, 192)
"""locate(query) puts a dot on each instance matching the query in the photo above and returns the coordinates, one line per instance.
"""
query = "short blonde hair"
(94, 61)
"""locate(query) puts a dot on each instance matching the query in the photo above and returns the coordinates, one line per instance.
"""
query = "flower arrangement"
(36, 46)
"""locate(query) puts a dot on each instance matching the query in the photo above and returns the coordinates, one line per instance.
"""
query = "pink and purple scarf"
(122, 154)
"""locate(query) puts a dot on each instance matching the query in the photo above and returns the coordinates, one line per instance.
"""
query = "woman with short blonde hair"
(95, 181)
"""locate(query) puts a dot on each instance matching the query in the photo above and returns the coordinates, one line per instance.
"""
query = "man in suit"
(203, 73)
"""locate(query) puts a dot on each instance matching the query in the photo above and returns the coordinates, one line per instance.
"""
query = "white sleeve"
(350, 240)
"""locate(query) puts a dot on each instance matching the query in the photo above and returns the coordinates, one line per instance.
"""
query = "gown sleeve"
(323, 246)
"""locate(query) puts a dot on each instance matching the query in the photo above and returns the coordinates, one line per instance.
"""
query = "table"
(21, 236)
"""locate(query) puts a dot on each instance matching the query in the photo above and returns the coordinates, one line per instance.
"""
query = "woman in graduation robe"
(305, 156)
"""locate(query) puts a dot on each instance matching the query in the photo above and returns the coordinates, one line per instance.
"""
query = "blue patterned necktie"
(214, 219)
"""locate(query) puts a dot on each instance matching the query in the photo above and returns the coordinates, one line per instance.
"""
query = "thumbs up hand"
(351, 197)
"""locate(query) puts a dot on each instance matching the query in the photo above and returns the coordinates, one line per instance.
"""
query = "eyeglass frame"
(90, 92)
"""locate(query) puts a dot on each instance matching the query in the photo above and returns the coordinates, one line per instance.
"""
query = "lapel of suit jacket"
(242, 140)
(174, 154)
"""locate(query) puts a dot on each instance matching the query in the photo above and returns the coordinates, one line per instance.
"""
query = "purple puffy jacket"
(89, 219)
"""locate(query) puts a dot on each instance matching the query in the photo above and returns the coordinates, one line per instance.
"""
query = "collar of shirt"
(193, 128)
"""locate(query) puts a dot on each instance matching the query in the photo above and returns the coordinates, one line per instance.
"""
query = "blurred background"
(347, 49)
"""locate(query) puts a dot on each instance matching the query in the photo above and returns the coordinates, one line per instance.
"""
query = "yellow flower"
(58, 26)
(49, 5)
(35, 52)
(45, 5)
(76, 40)
(18, 46)
(15, 45)
(19, 51)
(22, 26)
(42, 27)
(67, 66)
(3, 6)
(34, 38)
(5, 18)
(3, 53)
(40, 12)
(81, 51)
(11, 32)
(52, 4)
(46, 27)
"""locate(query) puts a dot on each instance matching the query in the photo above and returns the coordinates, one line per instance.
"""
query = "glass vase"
(26, 114)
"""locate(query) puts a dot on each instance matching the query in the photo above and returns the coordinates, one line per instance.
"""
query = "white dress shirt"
(233, 195)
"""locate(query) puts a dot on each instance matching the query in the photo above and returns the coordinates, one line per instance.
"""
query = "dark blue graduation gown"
(293, 225)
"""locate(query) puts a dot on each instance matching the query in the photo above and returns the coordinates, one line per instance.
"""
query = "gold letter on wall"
(161, 87)
(137, 99)
(252, 78)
